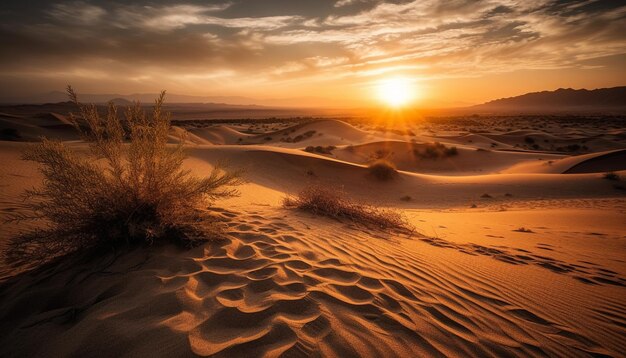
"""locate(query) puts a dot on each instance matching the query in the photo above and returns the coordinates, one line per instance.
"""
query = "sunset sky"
(318, 52)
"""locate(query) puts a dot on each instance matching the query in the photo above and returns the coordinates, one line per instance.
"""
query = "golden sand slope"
(286, 283)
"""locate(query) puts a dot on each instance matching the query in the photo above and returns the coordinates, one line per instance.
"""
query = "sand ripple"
(273, 287)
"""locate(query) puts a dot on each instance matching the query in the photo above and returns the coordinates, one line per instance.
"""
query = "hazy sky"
(456, 51)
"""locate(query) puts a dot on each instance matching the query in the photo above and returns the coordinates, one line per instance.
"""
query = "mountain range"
(561, 100)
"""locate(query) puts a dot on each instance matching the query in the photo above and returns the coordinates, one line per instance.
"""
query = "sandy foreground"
(286, 283)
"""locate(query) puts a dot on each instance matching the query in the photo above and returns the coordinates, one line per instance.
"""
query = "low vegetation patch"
(382, 170)
(611, 176)
(572, 148)
(319, 149)
(300, 137)
(524, 230)
(435, 151)
(334, 204)
(129, 189)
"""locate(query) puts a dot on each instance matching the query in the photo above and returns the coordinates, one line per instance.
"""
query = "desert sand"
(519, 249)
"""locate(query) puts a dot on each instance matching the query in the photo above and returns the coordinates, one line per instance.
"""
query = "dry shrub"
(382, 170)
(435, 150)
(524, 230)
(129, 189)
(332, 203)
(319, 149)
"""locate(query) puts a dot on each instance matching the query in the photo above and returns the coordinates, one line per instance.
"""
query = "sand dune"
(320, 132)
(601, 162)
(468, 161)
(50, 125)
(511, 257)
(220, 134)
(604, 162)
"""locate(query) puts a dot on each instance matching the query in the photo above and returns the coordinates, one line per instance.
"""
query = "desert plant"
(319, 149)
(332, 203)
(524, 230)
(120, 193)
(611, 176)
(435, 150)
(382, 170)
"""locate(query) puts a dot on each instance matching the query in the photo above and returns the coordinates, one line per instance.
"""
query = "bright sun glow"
(396, 92)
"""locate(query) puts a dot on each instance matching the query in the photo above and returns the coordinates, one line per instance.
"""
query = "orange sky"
(330, 53)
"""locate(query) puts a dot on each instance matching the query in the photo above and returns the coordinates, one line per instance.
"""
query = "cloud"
(250, 42)
(341, 3)
(79, 12)
(180, 16)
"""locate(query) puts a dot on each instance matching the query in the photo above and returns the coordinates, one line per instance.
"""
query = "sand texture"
(519, 251)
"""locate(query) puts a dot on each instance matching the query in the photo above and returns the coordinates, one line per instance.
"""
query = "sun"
(395, 92)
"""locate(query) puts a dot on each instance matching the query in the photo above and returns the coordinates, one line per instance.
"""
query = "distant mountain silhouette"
(121, 101)
(563, 99)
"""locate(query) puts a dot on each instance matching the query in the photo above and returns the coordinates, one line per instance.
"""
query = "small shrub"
(451, 151)
(486, 196)
(324, 150)
(524, 230)
(529, 140)
(303, 136)
(611, 176)
(382, 170)
(333, 204)
(120, 193)
(435, 151)
(320, 149)
(406, 198)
